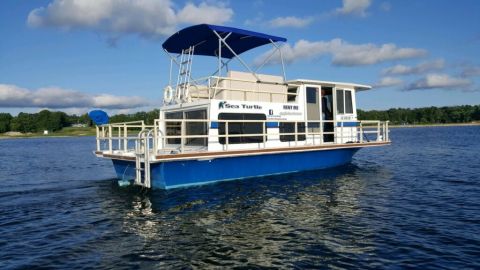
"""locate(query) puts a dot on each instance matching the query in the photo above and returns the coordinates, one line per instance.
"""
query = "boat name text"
(226, 105)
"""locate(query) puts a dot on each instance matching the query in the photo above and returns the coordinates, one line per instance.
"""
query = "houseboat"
(236, 124)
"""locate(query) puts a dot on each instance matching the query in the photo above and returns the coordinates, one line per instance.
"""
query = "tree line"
(54, 121)
(428, 115)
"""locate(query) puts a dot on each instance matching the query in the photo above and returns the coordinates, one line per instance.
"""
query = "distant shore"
(82, 132)
(436, 125)
(65, 132)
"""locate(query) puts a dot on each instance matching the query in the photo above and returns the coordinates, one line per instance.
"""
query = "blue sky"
(78, 55)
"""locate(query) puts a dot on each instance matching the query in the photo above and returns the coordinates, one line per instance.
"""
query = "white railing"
(120, 138)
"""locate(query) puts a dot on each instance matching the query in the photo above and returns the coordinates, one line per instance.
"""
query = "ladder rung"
(186, 61)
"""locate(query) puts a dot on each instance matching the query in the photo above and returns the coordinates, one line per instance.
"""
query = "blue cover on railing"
(99, 117)
(206, 42)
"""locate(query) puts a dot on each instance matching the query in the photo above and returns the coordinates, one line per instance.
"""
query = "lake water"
(415, 204)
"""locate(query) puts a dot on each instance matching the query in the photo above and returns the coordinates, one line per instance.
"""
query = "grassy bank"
(65, 132)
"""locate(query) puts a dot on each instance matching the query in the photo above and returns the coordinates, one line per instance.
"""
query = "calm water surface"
(415, 204)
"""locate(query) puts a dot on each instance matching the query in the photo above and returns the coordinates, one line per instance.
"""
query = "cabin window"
(196, 128)
(173, 128)
(340, 103)
(191, 128)
(312, 95)
(344, 102)
(348, 102)
(290, 128)
(237, 128)
(292, 94)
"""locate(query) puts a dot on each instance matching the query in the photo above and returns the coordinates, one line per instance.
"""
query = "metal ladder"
(142, 156)
(184, 74)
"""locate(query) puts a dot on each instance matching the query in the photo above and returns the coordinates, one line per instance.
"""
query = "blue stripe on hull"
(195, 172)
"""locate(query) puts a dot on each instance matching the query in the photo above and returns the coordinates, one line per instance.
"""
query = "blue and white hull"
(188, 172)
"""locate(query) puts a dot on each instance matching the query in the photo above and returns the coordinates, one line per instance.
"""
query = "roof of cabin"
(357, 87)
(202, 36)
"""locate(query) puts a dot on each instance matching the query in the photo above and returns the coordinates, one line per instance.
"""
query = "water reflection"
(276, 221)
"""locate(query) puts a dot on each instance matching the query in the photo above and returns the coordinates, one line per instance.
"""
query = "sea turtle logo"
(221, 105)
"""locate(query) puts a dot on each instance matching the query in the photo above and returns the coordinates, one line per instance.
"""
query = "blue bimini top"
(206, 42)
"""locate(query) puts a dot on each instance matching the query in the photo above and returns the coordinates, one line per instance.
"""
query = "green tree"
(24, 122)
(5, 119)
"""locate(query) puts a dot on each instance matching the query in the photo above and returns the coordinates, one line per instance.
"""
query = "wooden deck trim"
(224, 154)
(118, 157)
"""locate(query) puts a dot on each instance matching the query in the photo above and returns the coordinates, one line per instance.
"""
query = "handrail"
(365, 131)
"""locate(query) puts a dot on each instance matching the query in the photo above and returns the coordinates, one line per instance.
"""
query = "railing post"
(97, 129)
(296, 133)
(110, 143)
(226, 134)
(155, 137)
(335, 137)
(182, 136)
(387, 137)
(125, 135)
(119, 140)
(378, 131)
(264, 134)
(361, 132)
(341, 132)
(321, 131)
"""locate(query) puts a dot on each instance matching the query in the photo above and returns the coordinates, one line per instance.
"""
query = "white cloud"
(12, 96)
(343, 53)
(354, 7)
(471, 71)
(204, 13)
(147, 18)
(388, 82)
(118, 102)
(418, 69)
(290, 21)
(443, 81)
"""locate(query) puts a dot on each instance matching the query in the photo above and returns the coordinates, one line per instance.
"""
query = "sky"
(74, 56)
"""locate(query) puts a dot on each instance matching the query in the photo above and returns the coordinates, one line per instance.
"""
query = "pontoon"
(236, 124)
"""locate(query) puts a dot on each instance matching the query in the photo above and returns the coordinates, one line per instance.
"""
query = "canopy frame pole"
(172, 60)
(281, 58)
(220, 62)
(219, 58)
(266, 59)
(236, 55)
(223, 65)
(171, 70)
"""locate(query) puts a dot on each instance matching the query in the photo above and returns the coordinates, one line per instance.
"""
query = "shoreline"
(36, 136)
(436, 125)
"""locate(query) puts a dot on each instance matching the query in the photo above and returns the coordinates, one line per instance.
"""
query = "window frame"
(289, 127)
(242, 126)
(188, 126)
(344, 102)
